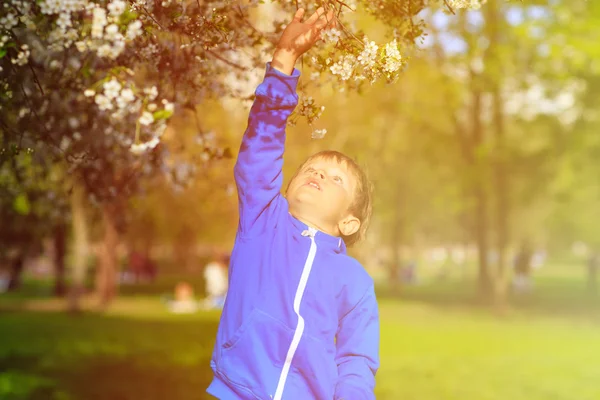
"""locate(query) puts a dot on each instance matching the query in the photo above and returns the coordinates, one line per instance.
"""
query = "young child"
(301, 319)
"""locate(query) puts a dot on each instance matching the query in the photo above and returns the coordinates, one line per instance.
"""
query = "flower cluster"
(22, 56)
(106, 37)
(311, 112)
(368, 56)
(114, 96)
(141, 148)
(126, 101)
(344, 67)
(66, 29)
(466, 4)
(393, 58)
(369, 61)
(98, 46)
(331, 35)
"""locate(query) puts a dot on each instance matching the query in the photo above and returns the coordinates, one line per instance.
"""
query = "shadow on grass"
(548, 297)
(54, 356)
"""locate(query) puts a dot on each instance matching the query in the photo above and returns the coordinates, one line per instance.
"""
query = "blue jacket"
(301, 319)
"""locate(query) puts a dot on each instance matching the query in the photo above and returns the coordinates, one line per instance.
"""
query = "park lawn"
(139, 351)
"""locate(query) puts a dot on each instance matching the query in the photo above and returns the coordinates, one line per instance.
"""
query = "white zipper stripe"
(297, 299)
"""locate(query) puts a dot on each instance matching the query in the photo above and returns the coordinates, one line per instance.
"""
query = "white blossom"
(133, 30)
(23, 112)
(104, 51)
(103, 102)
(146, 118)
(368, 56)
(125, 98)
(344, 67)
(111, 32)
(116, 8)
(98, 22)
(149, 51)
(81, 46)
(9, 21)
(168, 106)
(64, 20)
(472, 4)
(393, 58)
(89, 93)
(22, 56)
(308, 101)
(112, 88)
(140, 148)
(332, 35)
(50, 7)
(151, 92)
(318, 133)
(139, 4)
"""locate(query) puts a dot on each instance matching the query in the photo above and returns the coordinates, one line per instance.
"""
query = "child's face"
(321, 194)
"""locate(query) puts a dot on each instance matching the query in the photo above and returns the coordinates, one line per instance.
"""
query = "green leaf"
(162, 114)
(2, 52)
(21, 204)
(126, 18)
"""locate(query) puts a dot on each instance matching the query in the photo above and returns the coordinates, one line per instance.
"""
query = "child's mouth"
(314, 184)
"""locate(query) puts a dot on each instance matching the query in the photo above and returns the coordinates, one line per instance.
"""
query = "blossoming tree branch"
(95, 82)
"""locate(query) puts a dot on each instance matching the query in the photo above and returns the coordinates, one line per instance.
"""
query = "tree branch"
(226, 61)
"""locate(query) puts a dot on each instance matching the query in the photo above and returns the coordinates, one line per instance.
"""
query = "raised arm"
(258, 170)
(357, 354)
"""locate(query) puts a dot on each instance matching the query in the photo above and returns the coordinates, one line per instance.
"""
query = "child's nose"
(320, 174)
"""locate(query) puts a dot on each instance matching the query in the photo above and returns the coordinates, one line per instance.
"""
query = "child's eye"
(337, 179)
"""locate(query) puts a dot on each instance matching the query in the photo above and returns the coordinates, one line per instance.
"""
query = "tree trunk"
(60, 248)
(481, 225)
(484, 278)
(502, 210)
(106, 273)
(501, 186)
(397, 238)
(80, 247)
(395, 264)
(16, 272)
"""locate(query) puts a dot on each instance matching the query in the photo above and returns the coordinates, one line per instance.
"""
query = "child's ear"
(349, 225)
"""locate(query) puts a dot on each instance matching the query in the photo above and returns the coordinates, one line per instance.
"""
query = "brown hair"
(361, 206)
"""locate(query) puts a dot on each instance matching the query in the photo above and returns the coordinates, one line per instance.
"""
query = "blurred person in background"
(215, 277)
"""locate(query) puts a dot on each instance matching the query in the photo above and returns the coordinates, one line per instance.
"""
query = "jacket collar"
(323, 240)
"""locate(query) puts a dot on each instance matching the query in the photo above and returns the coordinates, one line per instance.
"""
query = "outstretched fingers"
(325, 20)
(299, 14)
(316, 16)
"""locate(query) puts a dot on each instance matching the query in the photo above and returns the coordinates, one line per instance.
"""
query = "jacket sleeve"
(258, 170)
(357, 355)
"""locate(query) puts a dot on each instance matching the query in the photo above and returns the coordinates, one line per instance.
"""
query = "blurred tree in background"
(476, 124)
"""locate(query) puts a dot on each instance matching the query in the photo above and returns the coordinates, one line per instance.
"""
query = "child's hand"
(298, 37)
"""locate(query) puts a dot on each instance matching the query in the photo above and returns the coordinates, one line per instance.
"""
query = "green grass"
(454, 354)
(139, 351)
(436, 343)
